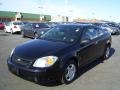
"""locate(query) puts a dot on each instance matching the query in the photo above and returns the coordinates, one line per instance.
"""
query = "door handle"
(96, 42)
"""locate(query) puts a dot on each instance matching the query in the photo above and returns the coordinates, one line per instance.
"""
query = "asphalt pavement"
(95, 76)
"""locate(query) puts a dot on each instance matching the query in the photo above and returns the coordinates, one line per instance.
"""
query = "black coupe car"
(59, 53)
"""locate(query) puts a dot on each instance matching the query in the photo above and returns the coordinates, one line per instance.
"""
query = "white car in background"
(13, 27)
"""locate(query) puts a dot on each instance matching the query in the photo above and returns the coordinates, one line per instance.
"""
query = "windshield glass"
(63, 33)
(28, 25)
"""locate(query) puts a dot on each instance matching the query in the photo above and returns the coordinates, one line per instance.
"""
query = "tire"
(35, 36)
(69, 72)
(5, 31)
(106, 54)
(11, 31)
(22, 33)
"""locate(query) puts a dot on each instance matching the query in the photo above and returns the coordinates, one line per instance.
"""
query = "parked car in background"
(106, 26)
(25, 22)
(113, 24)
(2, 26)
(13, 27)
(52, 24)
(59, 53)
(34, 29)
(115, 27)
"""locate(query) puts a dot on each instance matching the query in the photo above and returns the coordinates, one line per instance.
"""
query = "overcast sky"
(99, 9)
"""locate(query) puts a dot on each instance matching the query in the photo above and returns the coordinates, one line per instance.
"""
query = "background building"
(59, 18)
(6, 16)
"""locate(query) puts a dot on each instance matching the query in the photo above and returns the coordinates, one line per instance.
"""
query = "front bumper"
(37, 75)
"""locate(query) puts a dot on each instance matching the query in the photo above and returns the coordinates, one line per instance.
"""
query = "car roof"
(79, 25)
(37, 22)
(15, 22)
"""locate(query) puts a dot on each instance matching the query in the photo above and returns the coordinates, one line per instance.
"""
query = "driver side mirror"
(84, 42)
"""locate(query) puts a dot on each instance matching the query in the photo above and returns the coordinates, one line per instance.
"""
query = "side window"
(90, 33)
(100, 32)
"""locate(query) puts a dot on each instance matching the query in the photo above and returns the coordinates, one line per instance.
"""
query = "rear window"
(7, 24)
(18, 23)
(40, 25)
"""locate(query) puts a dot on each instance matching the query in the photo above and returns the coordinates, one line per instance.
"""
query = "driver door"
(88, 51)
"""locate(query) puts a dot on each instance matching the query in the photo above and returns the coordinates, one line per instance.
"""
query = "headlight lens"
(45, 61)
(12, 52)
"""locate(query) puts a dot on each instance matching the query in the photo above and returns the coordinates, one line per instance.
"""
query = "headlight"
(12, 52)
(45, 61)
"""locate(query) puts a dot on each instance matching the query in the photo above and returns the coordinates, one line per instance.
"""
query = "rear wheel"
(35, 36)
(106, 54)
(11, 31)
(23, 34)
(69, 72)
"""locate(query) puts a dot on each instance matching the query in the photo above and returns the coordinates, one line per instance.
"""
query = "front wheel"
(69, 73)
(5, 30)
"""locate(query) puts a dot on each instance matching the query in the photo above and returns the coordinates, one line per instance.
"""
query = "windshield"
(28, 25)
(63, 33)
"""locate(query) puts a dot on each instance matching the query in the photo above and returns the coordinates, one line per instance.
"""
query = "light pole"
(71, 17)
(67, 11)
(0, 3)
(110, 18)
(40, 7)
(93, 15)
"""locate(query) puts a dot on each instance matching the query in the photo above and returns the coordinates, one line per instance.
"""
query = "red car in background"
(2, 26)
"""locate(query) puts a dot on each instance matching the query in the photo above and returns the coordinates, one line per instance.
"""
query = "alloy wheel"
(70, 72)
(107, 52)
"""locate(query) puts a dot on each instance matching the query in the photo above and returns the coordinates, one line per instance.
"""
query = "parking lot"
(95, 76)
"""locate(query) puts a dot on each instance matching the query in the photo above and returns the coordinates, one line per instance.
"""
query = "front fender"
(64, 60)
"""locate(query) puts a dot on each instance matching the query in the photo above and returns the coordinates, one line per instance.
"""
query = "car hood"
(39, 48)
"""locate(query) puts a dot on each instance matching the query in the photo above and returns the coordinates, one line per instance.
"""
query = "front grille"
(21, 61)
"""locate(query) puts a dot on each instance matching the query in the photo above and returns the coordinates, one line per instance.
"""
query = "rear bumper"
(13, 30)
(39, 75)
(16, 30)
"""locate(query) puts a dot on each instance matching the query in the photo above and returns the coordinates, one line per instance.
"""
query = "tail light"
(15, 26)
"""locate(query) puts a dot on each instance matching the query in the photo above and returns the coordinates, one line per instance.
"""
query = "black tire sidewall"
(104, 55)
(35, 36)
(23, 35)
(11, 31)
